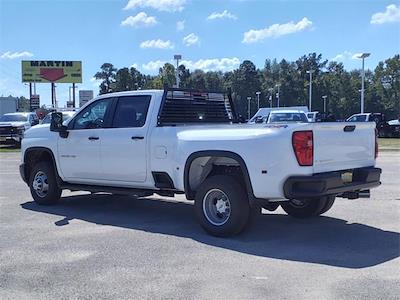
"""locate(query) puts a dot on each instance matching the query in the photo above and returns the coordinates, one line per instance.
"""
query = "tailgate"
(343, 145)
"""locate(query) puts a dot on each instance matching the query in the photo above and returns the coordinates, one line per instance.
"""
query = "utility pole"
(258, 99)
(310, 91)
(324, 98)
(177, 57)
(248, 107)
(363, 56)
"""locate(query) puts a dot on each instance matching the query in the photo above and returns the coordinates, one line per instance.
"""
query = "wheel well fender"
(210, 156)
(34, 155)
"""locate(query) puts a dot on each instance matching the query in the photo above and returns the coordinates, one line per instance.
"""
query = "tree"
(123, 80)
(167, 74)
(107, 74)
(245, 83)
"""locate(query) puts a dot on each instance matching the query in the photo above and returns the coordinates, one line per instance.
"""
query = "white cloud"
(158, 44)
(95, 82)
(191, 39)
(209, 64)
(13, 55)
(223, 15)
(161, 5)
(390, 15)
(180, 25)
(140, 20)
(135, 65)
(275, 31)
(213, 64)
(346, 55)
(153, 65)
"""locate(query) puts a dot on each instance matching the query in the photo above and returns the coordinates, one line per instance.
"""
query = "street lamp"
(177, 57)
(258, 99)
(248, 107)
(310, 91)
(278, 93)
(324, 98)
(363, 56)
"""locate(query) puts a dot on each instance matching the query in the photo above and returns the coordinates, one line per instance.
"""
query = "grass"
(9, 149)
(392, 144)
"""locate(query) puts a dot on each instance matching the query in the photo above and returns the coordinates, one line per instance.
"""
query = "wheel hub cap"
(216, 207)
(40, 184)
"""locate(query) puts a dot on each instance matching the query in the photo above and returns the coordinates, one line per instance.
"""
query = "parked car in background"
(384, 128)
(262, 114)
(287, 116)
(66, 115)
(13, 126)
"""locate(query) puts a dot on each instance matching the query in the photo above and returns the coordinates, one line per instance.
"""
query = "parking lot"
(102, 247)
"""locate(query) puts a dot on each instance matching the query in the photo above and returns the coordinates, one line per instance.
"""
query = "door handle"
(137, 137)
(93, 138)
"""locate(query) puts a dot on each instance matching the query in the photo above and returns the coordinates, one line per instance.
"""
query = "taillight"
(303, 147)
(376, 144)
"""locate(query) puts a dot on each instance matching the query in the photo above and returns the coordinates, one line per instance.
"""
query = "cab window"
(131, 111)
(93, 116)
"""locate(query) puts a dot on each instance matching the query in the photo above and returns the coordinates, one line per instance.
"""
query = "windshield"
(13, 118)
(287, 117)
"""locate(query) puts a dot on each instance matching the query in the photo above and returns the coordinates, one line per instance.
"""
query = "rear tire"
(43, 184)
(329, 203)
(222, 206)
(303, 209)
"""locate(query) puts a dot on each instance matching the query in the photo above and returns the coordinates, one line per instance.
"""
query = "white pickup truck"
(187, 142)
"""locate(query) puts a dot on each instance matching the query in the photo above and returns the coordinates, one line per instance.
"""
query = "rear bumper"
(331, 183)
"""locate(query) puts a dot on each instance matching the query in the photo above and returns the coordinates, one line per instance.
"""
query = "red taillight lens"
(376, 144)
(303, 147)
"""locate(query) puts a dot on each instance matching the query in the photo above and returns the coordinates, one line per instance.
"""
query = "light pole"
(363, 56)
(310, 91)
(177, 57)
(248, 107)
(324, 98)
(278, 93)
(258, 99)
(270, 96)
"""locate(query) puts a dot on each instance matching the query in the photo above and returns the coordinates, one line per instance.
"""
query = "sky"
(210, 35)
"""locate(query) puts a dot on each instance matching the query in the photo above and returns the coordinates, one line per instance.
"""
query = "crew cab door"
(79, 153)
(123, 146)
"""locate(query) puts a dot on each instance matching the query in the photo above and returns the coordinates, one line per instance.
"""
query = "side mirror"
(56, 124)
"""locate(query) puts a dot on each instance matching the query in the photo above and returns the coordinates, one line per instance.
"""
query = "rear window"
(361, 118)
(131, 111)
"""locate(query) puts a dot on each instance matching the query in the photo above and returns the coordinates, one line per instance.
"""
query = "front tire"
(303, 209)
(222, 206)
(43, 184)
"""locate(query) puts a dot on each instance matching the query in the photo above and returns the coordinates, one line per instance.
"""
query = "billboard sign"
(57, 71)
(35, 102)
(85, 96)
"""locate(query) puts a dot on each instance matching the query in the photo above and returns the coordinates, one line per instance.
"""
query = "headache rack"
(184, 106)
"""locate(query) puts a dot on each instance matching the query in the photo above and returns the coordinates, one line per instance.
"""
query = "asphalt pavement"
(118, 247)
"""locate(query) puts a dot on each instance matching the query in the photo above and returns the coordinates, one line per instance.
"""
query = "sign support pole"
(30, 96)
(73, 95)
(52, 95)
